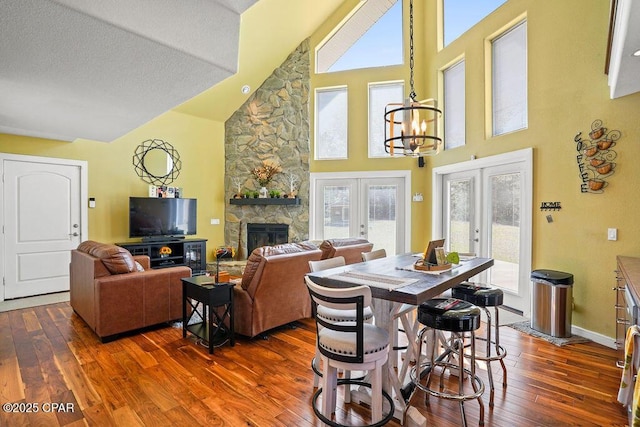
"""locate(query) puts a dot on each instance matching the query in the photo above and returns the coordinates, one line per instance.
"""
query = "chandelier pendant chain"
(412, 94)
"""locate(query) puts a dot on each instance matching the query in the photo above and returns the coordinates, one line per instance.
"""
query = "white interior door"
(484, 207)
(358, 206)
(42, 215)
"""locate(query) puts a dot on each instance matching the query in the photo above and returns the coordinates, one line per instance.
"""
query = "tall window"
(454, 105)
(381, 94)
(509, 80)
(331, 123)
(370, 37)
(460, 15)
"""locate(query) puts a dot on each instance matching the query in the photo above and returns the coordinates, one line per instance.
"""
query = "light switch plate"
(612, 234)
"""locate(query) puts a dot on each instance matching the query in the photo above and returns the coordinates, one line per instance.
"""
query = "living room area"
(267, 114)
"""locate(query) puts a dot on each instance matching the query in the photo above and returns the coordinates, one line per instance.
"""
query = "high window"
(331, 123)
(460, 15)
(454, 105)
(381, 94)
(370, 37)
(509, 80)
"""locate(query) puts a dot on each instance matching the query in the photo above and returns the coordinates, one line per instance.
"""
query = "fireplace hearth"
(266, 235)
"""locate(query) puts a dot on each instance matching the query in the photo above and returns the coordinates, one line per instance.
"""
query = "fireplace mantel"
(266, 201)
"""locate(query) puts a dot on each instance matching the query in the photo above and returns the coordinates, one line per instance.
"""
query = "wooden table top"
(425, 287)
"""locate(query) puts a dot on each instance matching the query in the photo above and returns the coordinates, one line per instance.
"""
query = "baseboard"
(594, 336)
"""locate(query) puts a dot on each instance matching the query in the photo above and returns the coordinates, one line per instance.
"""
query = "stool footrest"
(331, 423)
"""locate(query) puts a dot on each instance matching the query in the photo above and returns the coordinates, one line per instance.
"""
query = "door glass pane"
(336, 211)
(505, 229)
(459, 230)
(382, 217)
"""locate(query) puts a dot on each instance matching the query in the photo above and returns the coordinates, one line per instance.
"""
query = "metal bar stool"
(484, 297)
(458, 317)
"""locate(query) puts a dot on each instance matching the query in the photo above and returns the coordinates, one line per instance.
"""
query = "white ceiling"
(96, 70)
(624, 68)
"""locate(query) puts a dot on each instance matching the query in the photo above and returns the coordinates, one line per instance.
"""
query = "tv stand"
(188, 252)
(161, 239)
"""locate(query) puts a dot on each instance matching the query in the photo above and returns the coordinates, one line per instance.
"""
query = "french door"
(484, 208)
(355, 205)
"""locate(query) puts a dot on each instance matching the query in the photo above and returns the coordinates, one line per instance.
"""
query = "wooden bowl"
(425, 266)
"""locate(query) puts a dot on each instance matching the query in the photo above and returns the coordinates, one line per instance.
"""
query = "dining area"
(418, 325)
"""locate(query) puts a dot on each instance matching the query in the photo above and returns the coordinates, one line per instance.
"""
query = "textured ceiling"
(96, 70)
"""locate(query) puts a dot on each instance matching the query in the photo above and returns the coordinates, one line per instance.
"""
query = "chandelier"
(411, 128)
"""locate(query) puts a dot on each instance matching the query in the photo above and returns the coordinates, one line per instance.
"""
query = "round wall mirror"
(157, 162)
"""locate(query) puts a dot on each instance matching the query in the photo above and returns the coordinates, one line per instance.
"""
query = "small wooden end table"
(203, 289)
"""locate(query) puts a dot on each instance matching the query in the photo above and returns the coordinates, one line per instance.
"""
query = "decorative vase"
(263, 193)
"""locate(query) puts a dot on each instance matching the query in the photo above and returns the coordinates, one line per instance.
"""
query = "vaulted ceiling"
(96, 70)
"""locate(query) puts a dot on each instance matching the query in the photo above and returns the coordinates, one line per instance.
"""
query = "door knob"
(74, 234)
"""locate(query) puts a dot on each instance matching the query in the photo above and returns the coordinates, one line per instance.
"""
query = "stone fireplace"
(273, 124)
(266, 234)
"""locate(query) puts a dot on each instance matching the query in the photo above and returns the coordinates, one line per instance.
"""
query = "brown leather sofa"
(350, 248)
(112, 296)
(272, 292)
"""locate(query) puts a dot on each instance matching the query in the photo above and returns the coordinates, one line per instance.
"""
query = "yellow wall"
(112, 177)
(567, 91)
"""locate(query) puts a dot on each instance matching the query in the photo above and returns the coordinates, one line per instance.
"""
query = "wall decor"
(157, 162)
(550, 206)
(596, 157)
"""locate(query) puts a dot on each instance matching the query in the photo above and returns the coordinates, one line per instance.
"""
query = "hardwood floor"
(157, 378)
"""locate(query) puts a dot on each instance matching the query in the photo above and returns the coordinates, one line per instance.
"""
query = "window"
(509, 80)
(381, 94)
(454, 105)
(369, 37)
(460, 15)
(331, 123)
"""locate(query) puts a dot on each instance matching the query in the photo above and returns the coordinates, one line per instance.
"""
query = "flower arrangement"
(165, 251)
(265, 173)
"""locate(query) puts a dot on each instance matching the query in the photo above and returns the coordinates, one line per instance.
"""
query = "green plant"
(274, 193)
(255, 194)
(247, 194)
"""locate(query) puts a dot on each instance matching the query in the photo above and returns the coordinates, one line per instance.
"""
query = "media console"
(189, 252)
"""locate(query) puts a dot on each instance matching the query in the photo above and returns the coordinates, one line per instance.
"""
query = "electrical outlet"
(612, 234)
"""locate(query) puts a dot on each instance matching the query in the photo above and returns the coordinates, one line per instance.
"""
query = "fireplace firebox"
(266, 235)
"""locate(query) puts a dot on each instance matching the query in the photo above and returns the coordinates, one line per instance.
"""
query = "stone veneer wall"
(272, 124)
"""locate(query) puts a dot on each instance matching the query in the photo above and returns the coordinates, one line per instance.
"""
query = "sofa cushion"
(328, 247)
(253, 262)
(118, 260)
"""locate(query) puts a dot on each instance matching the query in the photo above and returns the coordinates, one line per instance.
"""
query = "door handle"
(74, 234)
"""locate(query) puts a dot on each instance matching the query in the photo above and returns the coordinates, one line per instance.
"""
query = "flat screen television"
(160, 218)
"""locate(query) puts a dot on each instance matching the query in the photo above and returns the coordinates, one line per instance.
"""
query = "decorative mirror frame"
(145, 148)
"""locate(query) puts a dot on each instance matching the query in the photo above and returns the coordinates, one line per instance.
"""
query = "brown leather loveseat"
(112, 296)
(273, 292)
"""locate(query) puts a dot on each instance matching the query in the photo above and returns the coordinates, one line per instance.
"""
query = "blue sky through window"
(381, 45)
(460, 15)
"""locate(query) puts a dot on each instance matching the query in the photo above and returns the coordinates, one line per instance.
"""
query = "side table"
(217, 307)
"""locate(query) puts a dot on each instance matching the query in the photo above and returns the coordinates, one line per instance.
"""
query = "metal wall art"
(157, 162)
(596, 157)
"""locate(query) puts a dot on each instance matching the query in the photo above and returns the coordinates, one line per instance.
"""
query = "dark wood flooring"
(52, 364)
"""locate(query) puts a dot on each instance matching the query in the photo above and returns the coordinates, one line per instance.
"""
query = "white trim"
(594, 336)
(84, 191)
(403, 174)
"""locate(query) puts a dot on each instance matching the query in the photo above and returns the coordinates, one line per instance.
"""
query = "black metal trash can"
(552, 299)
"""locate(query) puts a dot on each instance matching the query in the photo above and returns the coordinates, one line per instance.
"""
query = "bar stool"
(484, 297)
(459, 318)
(349, 346)
(331, 315)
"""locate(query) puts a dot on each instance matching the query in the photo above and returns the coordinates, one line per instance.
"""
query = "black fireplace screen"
(266, 235)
